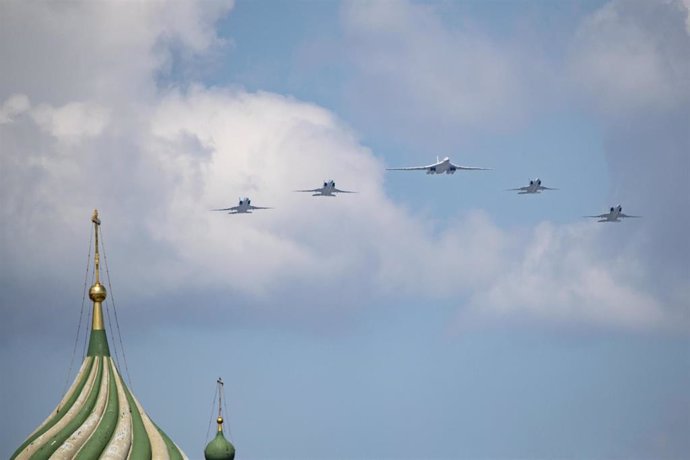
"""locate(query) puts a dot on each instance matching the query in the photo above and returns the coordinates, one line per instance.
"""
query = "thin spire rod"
(97, 293)
(96, 222)
(220, 403)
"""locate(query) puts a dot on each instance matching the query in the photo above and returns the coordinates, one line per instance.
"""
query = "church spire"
(98, 343)
(98, 417)
(219, 448)
(97, 293)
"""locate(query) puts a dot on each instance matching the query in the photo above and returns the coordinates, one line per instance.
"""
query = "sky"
(423, 317)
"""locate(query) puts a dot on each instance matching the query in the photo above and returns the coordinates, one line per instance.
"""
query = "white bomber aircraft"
(328, 189)
(614, 215)
(245, 207)
(440, 167)
(533, 187)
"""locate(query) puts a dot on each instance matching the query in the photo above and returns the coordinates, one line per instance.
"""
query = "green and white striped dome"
(98, 417)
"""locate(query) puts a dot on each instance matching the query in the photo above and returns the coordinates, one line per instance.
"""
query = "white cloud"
(156, 161)
(14, 105)
(73, 121)
(633, 56)
(416, 70)
(205, 147)
(562, 274)
(102, 52)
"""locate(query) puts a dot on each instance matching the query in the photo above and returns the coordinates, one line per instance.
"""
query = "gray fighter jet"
(328, 189)
(614, 215)
(244, 207)
(533, 187)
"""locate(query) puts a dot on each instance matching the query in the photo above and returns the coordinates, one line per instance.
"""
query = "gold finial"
(97, 293)
(219, 420)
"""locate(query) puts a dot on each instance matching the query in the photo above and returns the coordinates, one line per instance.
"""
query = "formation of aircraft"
(533, 187)
(328, 189)
(615, 214)
(244, 207)
(446, 166)
(440, 167)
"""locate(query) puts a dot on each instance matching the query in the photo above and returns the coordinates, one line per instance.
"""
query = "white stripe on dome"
(121, 441)
(76, 441)
(68, 417)
(159, 450)
(184, 457)
(70, 391)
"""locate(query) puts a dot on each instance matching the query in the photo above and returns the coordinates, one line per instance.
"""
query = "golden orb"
(97, 292)
(220, 420)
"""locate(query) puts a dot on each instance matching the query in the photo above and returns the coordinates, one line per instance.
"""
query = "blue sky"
(424, 317)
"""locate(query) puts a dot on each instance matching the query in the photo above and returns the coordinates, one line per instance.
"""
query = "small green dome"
(219, 449)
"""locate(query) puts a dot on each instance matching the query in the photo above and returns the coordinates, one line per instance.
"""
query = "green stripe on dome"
(104, 431)
(60, 413)
(92, 417)
(45, 451)
(173, 451)
(141, 446)
(98, 343)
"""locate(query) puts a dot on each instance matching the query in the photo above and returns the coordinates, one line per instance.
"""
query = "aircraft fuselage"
(442, 167)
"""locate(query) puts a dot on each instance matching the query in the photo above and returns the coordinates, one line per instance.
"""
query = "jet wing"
(412, 168)
(523, 189)
(469, 168)
(541, 187)
(311, 191)
(600, 216)
(234, 208)
(625, 215)
(342, 191)
(257, 207)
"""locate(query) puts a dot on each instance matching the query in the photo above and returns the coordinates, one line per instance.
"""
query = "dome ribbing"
(98, 417)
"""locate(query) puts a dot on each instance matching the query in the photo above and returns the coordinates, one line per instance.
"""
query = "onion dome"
(219, 448)
(99, 417)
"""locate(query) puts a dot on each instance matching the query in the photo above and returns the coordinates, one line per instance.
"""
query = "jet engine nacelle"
(538, 181)
(612, 209)
(431, 170)
(451, 171)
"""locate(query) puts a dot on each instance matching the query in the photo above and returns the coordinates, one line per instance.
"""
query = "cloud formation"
(414, 74)
(561, 275)
(155, 160)
(632, 56)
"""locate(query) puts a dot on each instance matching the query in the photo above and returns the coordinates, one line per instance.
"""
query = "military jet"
(614, 215)
(533, 187)
(244, 207)
(328, 189)
(440, 167)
